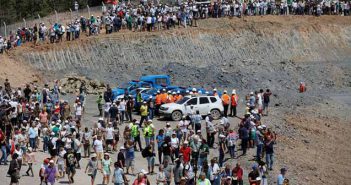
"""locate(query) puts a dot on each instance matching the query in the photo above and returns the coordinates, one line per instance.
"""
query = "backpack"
(144, 152)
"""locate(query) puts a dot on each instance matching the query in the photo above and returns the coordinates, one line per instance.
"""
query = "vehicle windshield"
(182, 100)
(151, 91)
(124, 85)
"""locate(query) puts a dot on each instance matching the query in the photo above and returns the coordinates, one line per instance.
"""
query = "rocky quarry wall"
(253, 53)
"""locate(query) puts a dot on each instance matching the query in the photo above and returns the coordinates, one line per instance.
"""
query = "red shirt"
(186, 153)
(239, 173)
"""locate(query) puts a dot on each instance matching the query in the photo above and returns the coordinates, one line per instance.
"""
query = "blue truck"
(148, 81)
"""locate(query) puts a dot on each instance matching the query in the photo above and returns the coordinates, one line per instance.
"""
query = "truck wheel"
(176, 115)
(216, 114)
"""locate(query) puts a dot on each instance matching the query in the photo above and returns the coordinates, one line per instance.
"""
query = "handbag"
(90, 171)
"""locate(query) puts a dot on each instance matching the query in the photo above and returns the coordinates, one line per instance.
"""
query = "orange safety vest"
(164, 98)
(179, 97)
(225, 99)
(158, 99)
(234, 100)
(175, 98)
(170, 99)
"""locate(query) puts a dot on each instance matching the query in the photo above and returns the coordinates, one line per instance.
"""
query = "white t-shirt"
(79, 110)
(98, 146)
(109, 132)
(175, 142)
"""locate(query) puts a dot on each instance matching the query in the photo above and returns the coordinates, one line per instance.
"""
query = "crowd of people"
(149, 16)
(34, 117)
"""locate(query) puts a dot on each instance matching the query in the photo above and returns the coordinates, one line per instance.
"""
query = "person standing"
(161, 176)
(106, 168)
(281, 177)
(119, 177)
(70, 164)
(266, 101)
(144, 113)
(86, 142)
(98, 147)
(14, 170)
(269, 152)
(32, 134)
(231, 142)
(233, 103)
(130, 106)
(244, 136)
(159, 140)
(91, 168)
(237, 175)
(225, 101)
(51, 173)
(99, 103)
(3, 146)
(135, 133)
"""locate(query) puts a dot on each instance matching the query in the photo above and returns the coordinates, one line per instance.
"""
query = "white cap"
(234, 91)
(178, 92)
(186, 142)
(259, 127)
(187, 91)
(158, 91)
(51, 161)
(174, 93)
(194, 89)
(168, 123)
(214, 89)
(150, 97)
(251, 93)
(221, 135)
(225, 91)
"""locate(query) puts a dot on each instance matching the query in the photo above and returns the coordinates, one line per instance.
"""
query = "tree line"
(15, 10)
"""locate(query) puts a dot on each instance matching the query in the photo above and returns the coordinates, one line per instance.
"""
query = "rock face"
(254, 54)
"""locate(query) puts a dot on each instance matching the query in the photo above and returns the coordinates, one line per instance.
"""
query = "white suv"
(190, 104)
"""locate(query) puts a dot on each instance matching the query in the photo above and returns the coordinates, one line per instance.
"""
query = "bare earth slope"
(250, 53)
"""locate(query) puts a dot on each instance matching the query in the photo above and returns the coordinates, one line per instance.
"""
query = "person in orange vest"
(225, 101)
(158, 103)
(164, 96)
(233, 103)
(215, 92)
(179, 96)
(174, 95)
(170, 97)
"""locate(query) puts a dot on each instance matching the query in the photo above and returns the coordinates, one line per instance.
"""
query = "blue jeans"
(269, 160)
(259, 152)
(232, 151)
(32, 142)
(45, 143)
(200, 161)
(151, 113)
(4, 155)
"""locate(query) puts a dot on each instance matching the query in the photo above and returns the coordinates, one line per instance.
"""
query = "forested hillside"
(15, 10)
